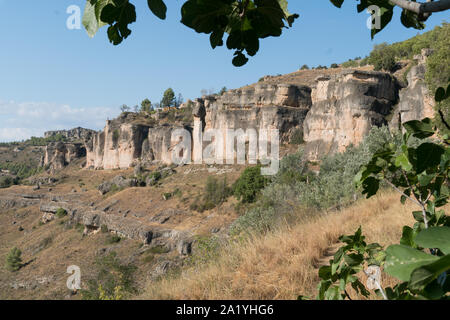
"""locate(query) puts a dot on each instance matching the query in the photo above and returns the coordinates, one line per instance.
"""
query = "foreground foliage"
(244, 22)
(421, 261)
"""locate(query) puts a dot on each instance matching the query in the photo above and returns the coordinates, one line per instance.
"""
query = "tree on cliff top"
(244, 21)
(168, 99)
(146, 106)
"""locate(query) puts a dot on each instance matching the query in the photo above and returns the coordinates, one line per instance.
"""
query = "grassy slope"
(280, 265)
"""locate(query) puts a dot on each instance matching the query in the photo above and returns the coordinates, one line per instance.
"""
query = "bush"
(61, 213)
(158, 250)
(216, 193)
(154, 177)
(334, 66)
(249, 184)
(113, 280)
(111, 239)
(383, 58)
(304, 67)
(297, 137)
(206, 249)
(350, 64)
(14, 260)
(104, 228)
(6, 182)
(294, 189)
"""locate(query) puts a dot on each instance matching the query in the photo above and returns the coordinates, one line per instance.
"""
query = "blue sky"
(55, 78)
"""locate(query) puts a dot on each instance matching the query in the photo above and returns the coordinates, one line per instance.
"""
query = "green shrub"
(249, 184)
(14, 260)
(334, 66)
(148, 258)
(111, 274)
(158, 250)
(104, 228)
(167, 195)
(216, 193)
(297, 137)
(79, 227)
(6, 182)
(304, 67)
(350, 64)
(44, 244)
(294, 189)
(205, 249)
(383, 58)
(154, 177)
(61, 213)
(113, 238)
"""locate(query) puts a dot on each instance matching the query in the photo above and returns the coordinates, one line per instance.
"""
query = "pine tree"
(168, 99)
(13, 260)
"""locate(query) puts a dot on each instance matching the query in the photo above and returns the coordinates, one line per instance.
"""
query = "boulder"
(119, 182)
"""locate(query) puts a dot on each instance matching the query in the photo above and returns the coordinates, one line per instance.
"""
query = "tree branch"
(402, 193)
(422, 8)
(424, 211)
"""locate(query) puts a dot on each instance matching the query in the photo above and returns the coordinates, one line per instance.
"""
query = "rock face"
(281, 107)
(123, 142)
(345, 107)
(415, 100)
(75, 134)
(118, 182)
(337, 112)
(60, 154)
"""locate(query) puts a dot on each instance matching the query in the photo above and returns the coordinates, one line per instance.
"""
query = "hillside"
(141, 224)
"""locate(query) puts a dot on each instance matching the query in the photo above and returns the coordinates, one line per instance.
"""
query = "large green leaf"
(91, 17)
(435, 237)
(402, 260)
(420, 129)
(158, 7)
(403, 162)
(422, 276)
(428, 156)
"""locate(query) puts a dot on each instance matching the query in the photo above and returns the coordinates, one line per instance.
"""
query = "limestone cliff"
(129, 139)
(75, 134)
(126, 140)
(60, 154)
(415, 102)
(337, 111)
(344, 108)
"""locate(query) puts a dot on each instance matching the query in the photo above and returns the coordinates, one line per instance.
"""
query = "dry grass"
(280, 265)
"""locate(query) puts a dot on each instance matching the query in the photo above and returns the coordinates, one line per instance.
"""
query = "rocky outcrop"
(117, 182)
(345, 107)
(127, 140)
(415, 101)
(338, 111)
(282, 95)
(124, 141)
(60, 154)
(75, 134)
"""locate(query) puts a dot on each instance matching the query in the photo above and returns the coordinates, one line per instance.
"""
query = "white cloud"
(20, 121)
